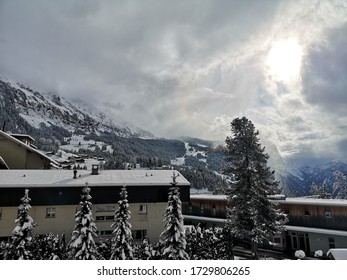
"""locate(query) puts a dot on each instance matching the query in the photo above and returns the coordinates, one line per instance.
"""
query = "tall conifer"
(251, 215)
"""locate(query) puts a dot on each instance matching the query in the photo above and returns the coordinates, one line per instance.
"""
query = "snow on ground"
(190, 151)
(77, 142)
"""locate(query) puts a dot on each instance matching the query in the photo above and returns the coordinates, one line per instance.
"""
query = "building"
(314, 224)
(55, 195)
(18, 152)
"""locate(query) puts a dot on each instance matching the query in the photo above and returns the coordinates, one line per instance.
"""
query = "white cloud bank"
(189, 67)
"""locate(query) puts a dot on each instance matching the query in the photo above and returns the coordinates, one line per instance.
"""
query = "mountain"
(73, 125)
(299, 183)
(25, 110)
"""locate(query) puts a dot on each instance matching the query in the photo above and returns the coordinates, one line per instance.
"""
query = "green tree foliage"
(251, 215)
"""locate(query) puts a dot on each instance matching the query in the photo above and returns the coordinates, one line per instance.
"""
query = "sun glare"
(284, 60)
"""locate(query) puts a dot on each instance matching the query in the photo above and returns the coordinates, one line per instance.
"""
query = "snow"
(338, 254)
(54, 178)
(316, 230)
(190, 151)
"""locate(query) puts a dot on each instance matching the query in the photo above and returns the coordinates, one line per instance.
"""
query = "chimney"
(95, 169)
(75, 173)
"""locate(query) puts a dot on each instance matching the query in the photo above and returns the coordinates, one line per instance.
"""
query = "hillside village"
(315, 226)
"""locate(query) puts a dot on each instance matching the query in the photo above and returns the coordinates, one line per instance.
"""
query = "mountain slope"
(49, 110)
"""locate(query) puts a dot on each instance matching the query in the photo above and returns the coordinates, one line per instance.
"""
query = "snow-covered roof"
(204, 219)
(286, 201)
(338, 253)
(317, 230)
(20, 143)
(314, 201)
(58, 178)
(208, 197)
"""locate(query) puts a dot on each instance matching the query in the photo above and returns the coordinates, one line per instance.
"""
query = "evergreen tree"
(340, 185)
(121, 243)
(251, 215)
(173, 238)
(82, 245)
(21, 241)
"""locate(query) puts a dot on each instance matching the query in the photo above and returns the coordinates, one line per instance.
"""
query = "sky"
(190, 67)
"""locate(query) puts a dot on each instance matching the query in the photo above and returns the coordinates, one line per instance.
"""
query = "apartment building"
(55, 197)
(314, 224)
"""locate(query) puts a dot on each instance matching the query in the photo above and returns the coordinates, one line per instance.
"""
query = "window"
(327, 214)
(307, 213)
(104, 232)
(277, 240)
(139, 234)
(201, 208)
(50, 212)
(104, 218)
(107, 208)
(214, 212)
(0, 213)
(331, 242)
(143, 209)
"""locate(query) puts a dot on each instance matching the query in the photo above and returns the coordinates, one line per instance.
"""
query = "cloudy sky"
(189, 67)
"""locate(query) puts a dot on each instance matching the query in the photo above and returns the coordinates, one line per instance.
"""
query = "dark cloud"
(325, 73)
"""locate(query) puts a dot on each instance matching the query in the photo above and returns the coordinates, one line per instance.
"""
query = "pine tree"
(20, 246)
(340, 185)
(121, 243)
(173, 238)
(82, 245)
(251, 216)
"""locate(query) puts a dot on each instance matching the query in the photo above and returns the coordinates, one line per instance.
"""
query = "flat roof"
(57, 178)
(313, 201)
(316, 230)
(286, 201)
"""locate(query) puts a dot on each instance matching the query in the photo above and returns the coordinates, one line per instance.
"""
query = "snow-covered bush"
(300, 254)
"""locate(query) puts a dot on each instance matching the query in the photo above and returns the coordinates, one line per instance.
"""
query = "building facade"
(314, 224)
(55, 197)
(18, 153)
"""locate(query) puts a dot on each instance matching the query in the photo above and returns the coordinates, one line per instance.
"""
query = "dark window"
(139, 234)
(143, 209)
(327, 214)
(0, 214)
(331, 242)
(50, 212)
(307, 213)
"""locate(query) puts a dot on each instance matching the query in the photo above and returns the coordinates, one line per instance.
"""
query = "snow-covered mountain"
(48, 109)
(298, 183)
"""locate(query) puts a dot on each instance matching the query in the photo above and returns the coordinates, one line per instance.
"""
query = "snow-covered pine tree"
(121, 243)
(82, 245)
(340, 185)
(21, 240)
(173, 239)
(251, 215)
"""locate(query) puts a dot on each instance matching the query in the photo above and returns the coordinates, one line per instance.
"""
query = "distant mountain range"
(47, 115)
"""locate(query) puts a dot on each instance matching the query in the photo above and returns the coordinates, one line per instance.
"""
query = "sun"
(284, 60)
